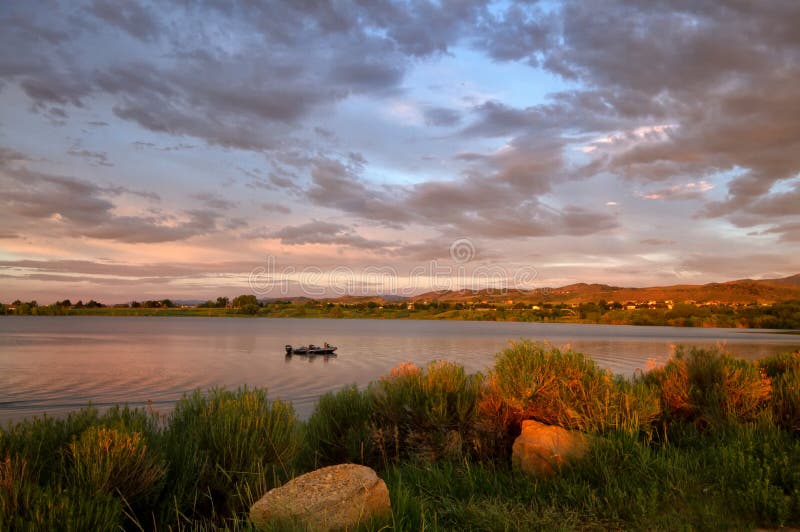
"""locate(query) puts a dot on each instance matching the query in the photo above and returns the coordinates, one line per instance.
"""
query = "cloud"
(680, 192)
(442, 116)
(214, 201)
(272, 207)
(519, 32)
(131, 17)
(657, 242)
(94, 157)
(78, 208)
(664, 98)
(318, 232)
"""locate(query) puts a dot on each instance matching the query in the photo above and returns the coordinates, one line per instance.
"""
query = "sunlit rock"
(332, 498)
(541, 450)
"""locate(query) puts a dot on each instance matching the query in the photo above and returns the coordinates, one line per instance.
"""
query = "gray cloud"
(78, 208)
(130, 16)
(275, 208)
(214, 201)
(520, 32)
(94, 157)
(318, 232)
(657, 242)
(442, 116)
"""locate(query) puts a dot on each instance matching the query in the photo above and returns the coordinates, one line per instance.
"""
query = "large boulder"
(332, 498)
(540, 449)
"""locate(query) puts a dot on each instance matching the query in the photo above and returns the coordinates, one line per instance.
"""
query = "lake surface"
(59, 364)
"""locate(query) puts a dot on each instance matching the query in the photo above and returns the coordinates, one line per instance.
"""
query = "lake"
(59, 364)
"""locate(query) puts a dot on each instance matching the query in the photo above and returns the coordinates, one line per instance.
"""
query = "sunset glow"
(169, 149)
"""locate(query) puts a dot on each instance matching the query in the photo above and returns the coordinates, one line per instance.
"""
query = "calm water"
(59, 364)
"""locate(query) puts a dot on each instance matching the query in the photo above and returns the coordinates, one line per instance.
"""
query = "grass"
(707, 441)
(710, 387)
(537, 381)
(740, 480)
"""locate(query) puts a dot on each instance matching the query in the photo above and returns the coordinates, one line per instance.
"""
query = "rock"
(331, 498)
(541, 449)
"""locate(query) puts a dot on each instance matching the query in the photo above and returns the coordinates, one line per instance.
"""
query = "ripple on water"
(60, 364)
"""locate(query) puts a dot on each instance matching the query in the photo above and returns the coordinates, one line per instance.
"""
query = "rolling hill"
(741, 291)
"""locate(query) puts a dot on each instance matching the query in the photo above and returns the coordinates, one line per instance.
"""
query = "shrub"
(776, 365)
(13, 480)
(339, 429)
(39, 441)
(226, 446)
(536, 381)
(425, 414)
(709, 387)
(784, 369)
(24, 505)
(111, 461)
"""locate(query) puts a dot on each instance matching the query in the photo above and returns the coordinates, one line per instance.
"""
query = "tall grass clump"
(424, 413)
(39, 489)
(709, 388)
(339, 430)
(112, 461)
(537, 381)
(784, 370)
(226, 447)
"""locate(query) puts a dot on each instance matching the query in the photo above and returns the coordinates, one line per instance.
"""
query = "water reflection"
(59, 364)
(310, 358)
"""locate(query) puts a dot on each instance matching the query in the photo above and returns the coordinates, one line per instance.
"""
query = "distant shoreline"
(625, 317)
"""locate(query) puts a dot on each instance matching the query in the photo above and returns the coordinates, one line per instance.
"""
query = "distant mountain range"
(741, 291)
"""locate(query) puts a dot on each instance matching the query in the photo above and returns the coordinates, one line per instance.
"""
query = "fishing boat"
(311, 349)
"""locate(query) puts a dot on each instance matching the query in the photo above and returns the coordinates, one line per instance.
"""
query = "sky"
(192, 149)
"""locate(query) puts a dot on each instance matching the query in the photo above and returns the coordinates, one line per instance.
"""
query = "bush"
(110, 461)
(25, 505)
(709, 387)
(784, 369)
(536, 381)
(227, 446)
(339, 430)
(425, 414)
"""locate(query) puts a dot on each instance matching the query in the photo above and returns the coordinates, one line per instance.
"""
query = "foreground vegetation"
(784, 315)
(707, 441)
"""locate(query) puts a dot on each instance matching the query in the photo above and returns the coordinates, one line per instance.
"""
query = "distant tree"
(167, 303)
(222, 302)
(135, 304)
(249, 308)
(244, 300)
